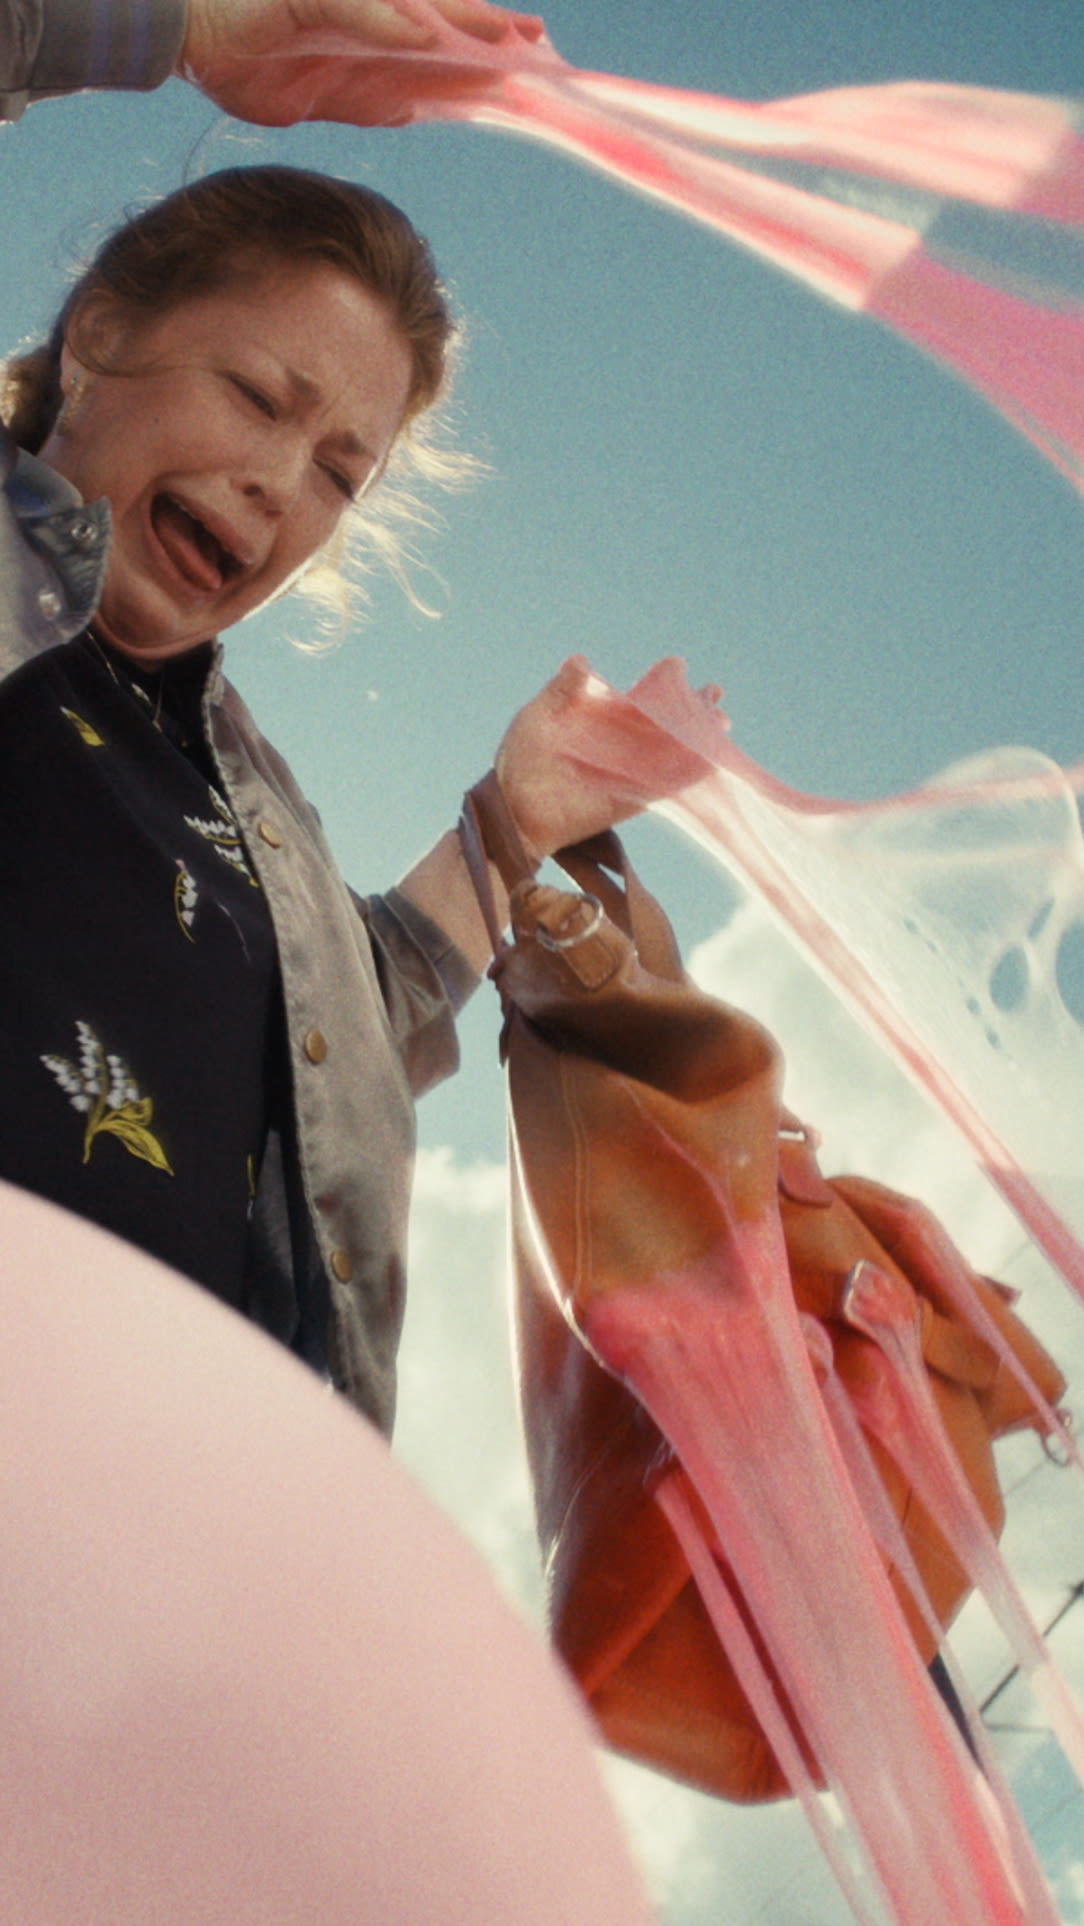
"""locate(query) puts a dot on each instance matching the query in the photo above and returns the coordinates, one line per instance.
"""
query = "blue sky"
(687, 455)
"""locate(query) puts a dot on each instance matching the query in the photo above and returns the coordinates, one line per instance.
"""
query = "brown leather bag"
(602, 1030)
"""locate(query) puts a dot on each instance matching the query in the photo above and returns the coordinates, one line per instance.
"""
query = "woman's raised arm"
(272, 62)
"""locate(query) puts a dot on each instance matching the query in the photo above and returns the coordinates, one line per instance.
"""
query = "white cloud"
(871, 1117)
(475, 1190)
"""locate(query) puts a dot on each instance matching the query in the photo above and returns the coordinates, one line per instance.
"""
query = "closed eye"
(257, 398)
(343, 483)
(254, 395)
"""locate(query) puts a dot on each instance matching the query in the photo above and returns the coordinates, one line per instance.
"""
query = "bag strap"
(632, 907)
(494, 832)
(480, 816)
(598, 866)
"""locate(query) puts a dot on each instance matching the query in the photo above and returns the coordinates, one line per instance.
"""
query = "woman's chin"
(140, 632)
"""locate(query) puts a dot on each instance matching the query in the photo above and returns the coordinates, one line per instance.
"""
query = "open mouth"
(198, 554)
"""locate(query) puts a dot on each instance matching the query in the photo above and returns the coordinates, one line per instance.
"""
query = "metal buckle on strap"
(1055, 1447)
(547, 941)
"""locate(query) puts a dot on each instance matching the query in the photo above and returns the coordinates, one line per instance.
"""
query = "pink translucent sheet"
(897, 1406)
(950, 919)
(715, 1352)
(891, 1542)
(916, 203)
(946, 918)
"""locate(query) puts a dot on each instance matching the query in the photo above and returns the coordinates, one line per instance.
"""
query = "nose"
(273, 473)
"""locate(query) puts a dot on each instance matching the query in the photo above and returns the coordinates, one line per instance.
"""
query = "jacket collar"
(34, 489)
(70, 536)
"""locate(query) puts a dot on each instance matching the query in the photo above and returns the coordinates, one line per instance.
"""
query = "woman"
(207, 1044)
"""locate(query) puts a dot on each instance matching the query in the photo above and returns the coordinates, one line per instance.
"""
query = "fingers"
(410, 25)
(487, 22)
(226, 31)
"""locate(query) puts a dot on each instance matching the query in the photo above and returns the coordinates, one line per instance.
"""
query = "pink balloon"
(248, 1673)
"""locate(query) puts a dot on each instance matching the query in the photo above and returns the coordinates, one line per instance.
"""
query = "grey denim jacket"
(370, 986)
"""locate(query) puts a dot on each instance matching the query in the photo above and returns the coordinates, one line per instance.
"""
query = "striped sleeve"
(62, 46)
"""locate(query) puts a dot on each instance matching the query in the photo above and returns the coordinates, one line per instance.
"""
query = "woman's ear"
(73, 372)
(75, 380)
(73, 386)
(94, 337)
(93, 345)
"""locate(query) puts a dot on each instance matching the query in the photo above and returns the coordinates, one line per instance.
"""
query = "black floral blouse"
(140, 1049)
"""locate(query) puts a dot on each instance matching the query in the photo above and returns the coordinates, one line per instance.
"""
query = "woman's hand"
(576, 759)
(274, 62)
(580, 757)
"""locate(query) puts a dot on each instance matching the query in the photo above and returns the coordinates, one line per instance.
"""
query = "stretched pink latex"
(717, 1357)
(756, 1684)
(721, 1366)
(897, 1406)
(912, 907)
(913, 147)
(889, 1538)
(927, 1255)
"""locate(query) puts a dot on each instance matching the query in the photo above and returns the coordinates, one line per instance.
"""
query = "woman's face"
(229, 443)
